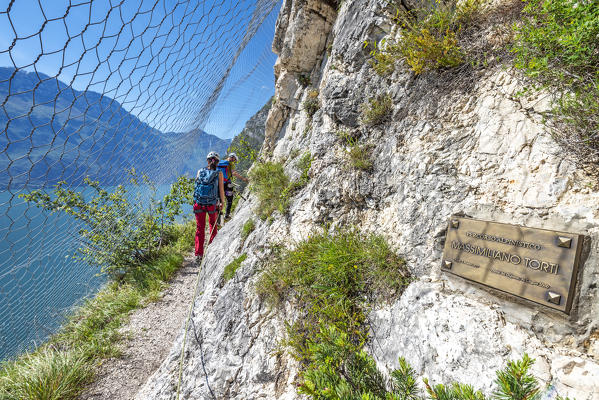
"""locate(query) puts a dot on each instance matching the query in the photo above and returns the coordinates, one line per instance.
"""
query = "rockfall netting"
(92, 89)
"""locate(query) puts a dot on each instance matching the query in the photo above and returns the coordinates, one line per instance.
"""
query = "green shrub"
(247, 228)
(557, 46)
(311, 104)
(48, 374)
(268, 180)
(118, 236)
(304, 79)
(359, 156)
(332, 278)
(377, 109)
(429, 37)
(231, 268)
(383, 59)
(274, 188)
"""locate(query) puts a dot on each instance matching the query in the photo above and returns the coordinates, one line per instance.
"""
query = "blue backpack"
(223, 167)
(206, 190)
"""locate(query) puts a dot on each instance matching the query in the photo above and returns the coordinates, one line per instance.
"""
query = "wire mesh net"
(93, 88)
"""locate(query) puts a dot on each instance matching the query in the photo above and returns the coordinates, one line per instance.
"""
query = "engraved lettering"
(486, 252)
(544, 266)
(499, 239)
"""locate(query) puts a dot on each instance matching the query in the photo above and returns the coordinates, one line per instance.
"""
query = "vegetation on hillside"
(120, 234)
(62, 367)
(359, 155)
(138, 248)
(557, 46)
(333, 279)
(231, 268)
(429, 38)
(554, 43)
(274, 188)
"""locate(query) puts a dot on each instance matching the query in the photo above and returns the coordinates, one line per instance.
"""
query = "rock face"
(467, 146)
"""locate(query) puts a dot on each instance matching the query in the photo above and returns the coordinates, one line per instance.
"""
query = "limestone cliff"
(475, 149)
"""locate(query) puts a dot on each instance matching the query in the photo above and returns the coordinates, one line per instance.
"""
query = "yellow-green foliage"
(376, 109)
(383, 58)
(332, 276)
(358, 154)
(311, 104)
(232, 267)
(429, 37)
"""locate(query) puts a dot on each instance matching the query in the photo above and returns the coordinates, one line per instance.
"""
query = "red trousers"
(200, 212)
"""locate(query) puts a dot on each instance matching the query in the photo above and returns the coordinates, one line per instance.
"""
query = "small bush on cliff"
(311, 104)
(557, 45)
(232, 267)
(429, 37)
(268, 180)
(274, 188)
(332, 277)
(304, 79)
(376, 110)
(247, 228)
(359, 154)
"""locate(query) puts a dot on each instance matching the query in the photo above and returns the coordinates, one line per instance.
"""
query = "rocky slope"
(471, 148)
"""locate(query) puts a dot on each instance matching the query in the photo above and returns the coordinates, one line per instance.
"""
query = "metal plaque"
(536, 264)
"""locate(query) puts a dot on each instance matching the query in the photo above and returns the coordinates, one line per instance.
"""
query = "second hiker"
(227, 167)
(208, 198)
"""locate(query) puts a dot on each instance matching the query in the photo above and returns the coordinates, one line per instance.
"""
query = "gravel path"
(152, 330)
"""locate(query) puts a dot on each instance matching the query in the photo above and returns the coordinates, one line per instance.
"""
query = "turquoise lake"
(39, 280)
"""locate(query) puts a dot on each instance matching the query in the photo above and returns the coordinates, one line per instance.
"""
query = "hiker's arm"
(238, 175)
(221, 188)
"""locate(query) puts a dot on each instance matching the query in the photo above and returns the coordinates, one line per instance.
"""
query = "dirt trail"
(152, 330)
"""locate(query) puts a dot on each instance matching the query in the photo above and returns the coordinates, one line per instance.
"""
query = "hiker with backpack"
(227, 167)
(208, 198)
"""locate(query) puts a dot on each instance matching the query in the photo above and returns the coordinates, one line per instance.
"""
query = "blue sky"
(163, 60)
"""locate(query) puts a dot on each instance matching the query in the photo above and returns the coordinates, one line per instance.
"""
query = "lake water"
(39, 280)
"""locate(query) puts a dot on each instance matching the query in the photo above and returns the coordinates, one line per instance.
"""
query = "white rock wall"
(470, 146)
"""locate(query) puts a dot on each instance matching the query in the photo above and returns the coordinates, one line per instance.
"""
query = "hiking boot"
(227, 218)
(198, 260)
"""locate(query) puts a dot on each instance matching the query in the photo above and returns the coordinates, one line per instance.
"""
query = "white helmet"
(213, 154)
(233, 155)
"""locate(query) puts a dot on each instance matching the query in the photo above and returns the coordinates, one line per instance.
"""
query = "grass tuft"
(48, 374)
(311, 104)
(231, 268)
(377, 109)
(274, 188)
(247, 228)
(268, 180)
